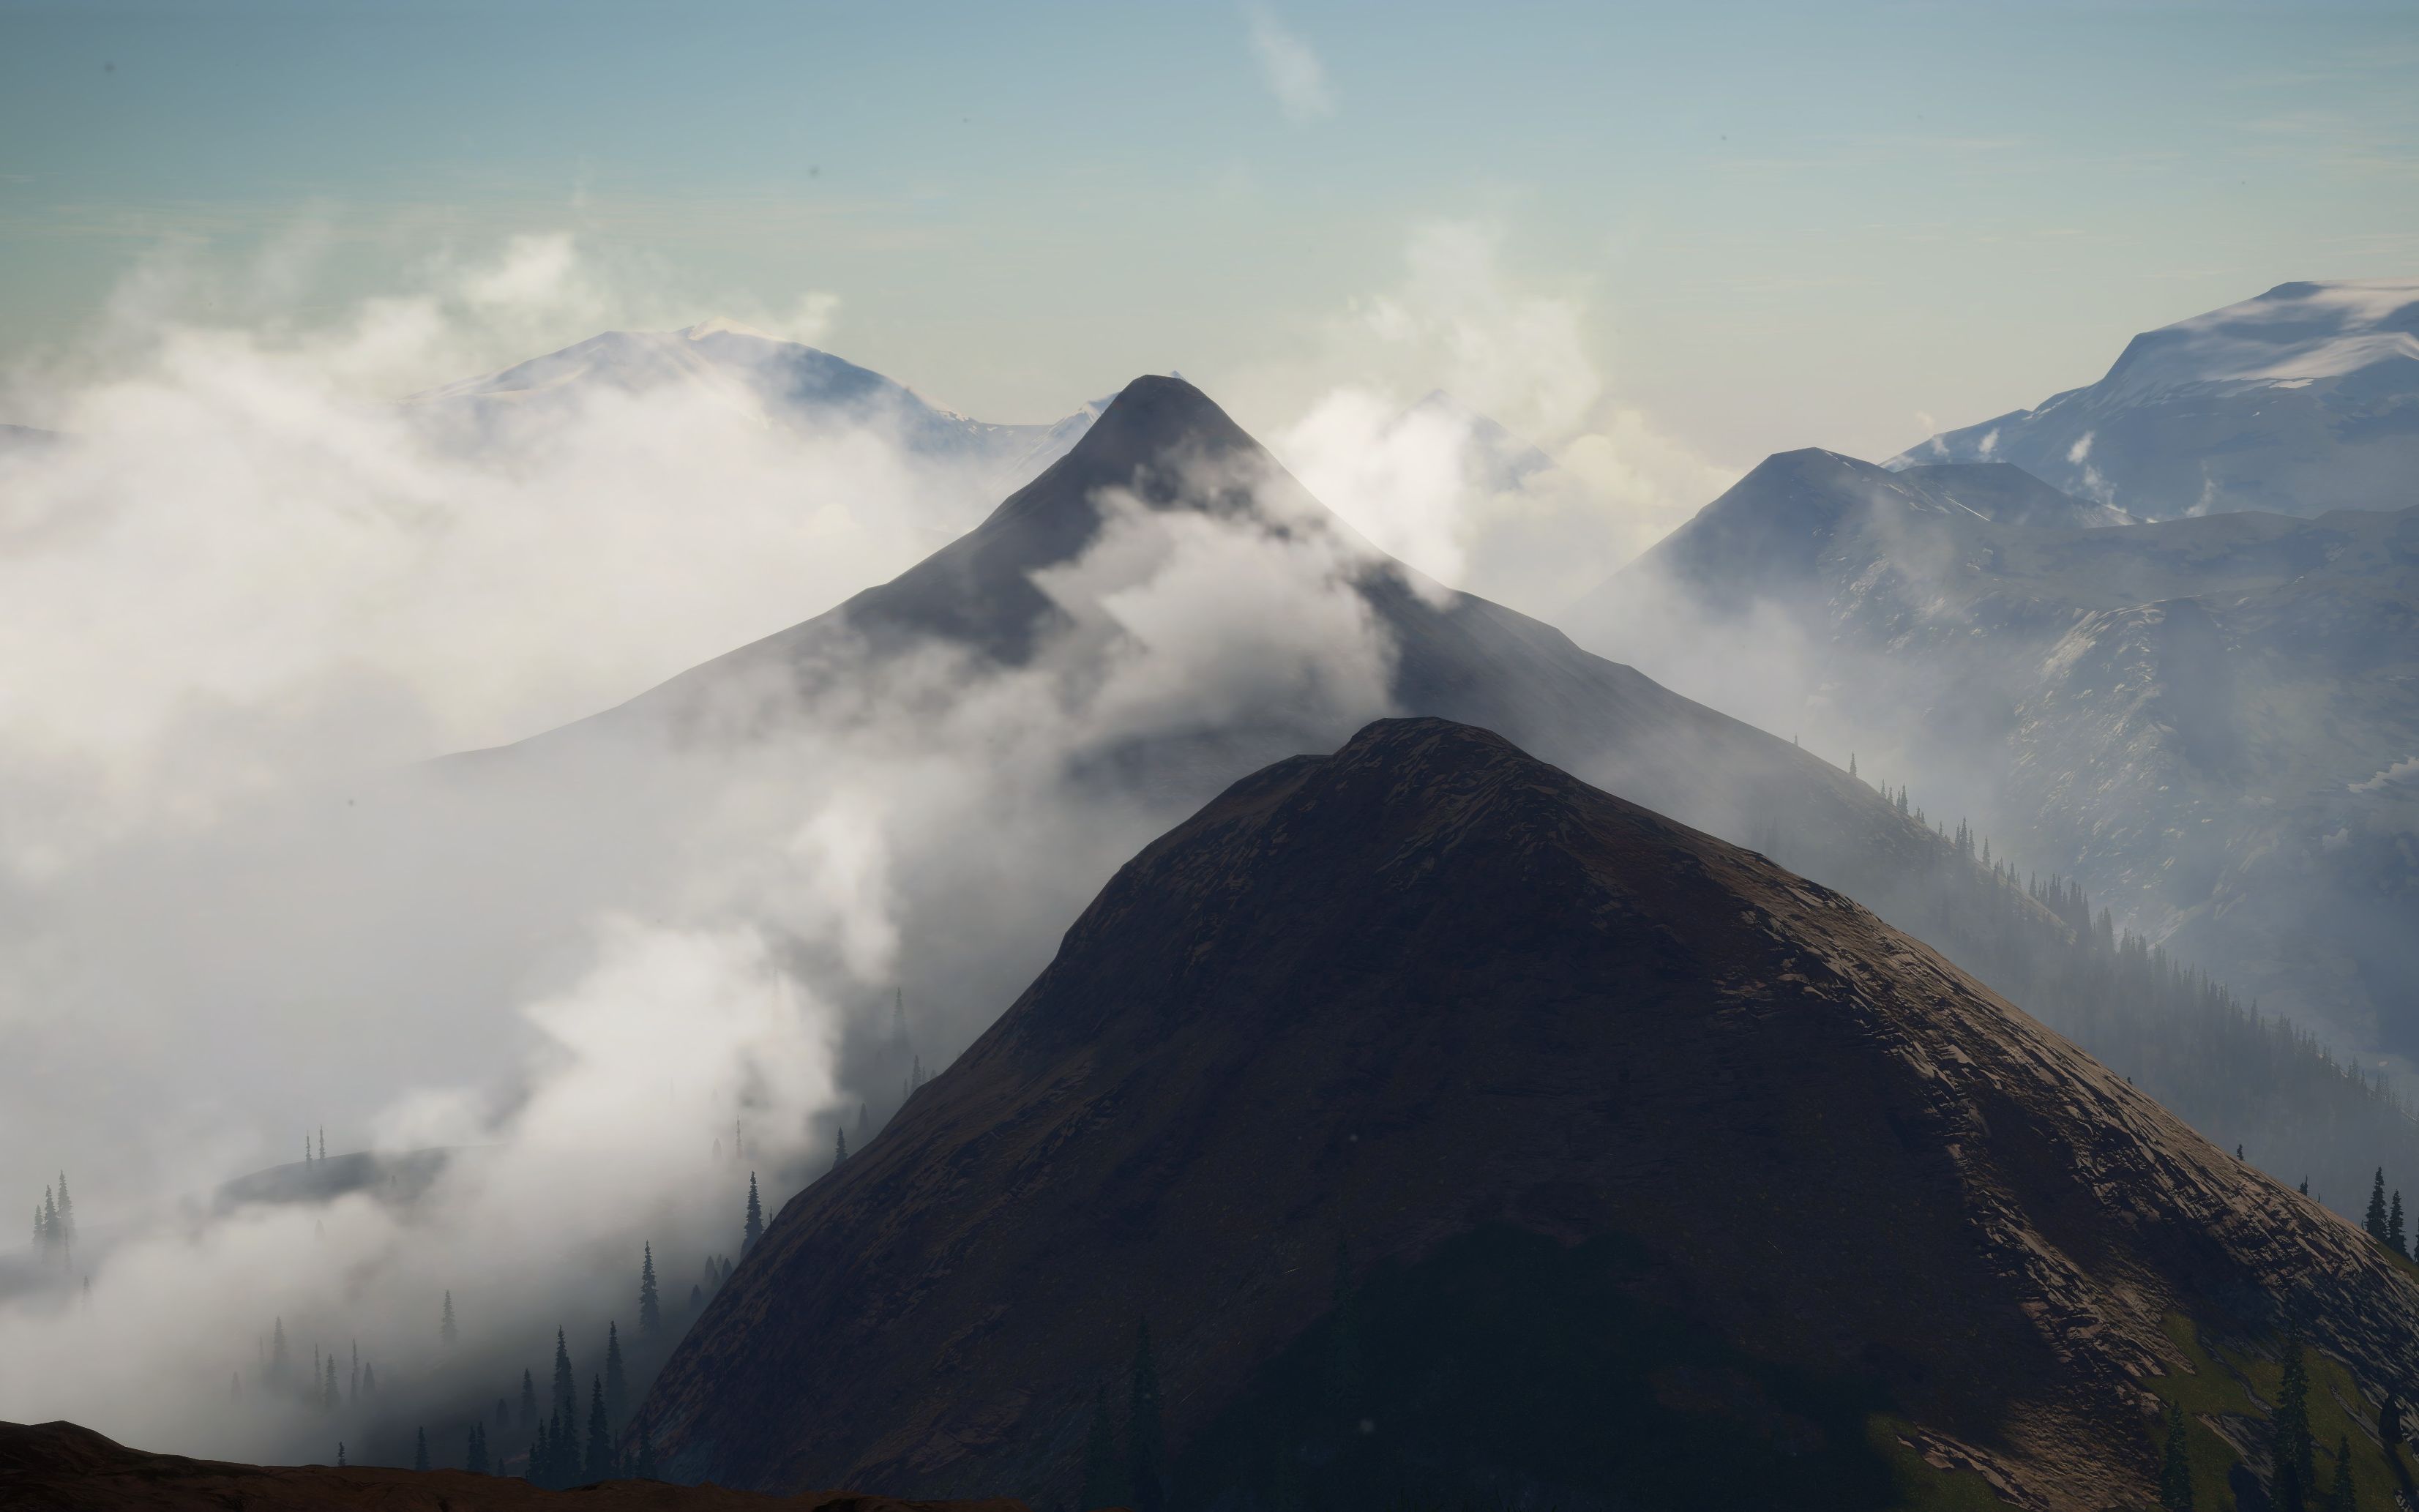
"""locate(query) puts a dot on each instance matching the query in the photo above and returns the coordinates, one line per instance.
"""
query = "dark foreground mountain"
(2300, 401)
(1458, 1130)
(58, 1467)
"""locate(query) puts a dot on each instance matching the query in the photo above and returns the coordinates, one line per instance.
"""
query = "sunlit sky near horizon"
(1785, 224)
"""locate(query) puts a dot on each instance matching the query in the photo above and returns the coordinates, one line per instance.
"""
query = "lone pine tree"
(2296, 1449)
(651, 1312)
(2175, 1468)
(445, 1329)
(529, 1399)
(2374, 1219)
(2342, 1495)
(2394, 1233)
(754, 1228)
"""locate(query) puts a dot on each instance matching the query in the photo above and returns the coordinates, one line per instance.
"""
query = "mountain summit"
(1454, 1128)
(2303, 400)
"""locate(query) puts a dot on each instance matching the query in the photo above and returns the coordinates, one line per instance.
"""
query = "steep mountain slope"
(2201, 718)
(786, 380)
(1162, 455)
(2300, 401)
(1659, 1177)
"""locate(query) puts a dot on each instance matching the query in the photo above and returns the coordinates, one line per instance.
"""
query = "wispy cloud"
(1288, 66)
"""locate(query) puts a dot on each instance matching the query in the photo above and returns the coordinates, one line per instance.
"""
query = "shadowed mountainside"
(1459, 1128)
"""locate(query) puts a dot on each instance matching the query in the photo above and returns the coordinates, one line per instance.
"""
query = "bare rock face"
(1457, 1128)
(59, 1467)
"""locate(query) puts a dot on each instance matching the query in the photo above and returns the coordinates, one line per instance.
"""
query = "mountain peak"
(1153, 417)
(721, 326)
(2298, 401)
(1532, 1057)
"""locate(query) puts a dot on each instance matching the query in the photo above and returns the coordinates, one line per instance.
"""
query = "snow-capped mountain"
(785, 381)
(2212, 722)
(2303, 400)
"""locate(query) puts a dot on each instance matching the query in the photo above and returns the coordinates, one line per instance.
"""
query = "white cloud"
(240, 602)
(1533, 514)
(1288, 66)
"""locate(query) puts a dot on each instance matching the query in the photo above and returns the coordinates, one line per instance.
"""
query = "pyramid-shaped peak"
(1156, 415)
(1168, 444)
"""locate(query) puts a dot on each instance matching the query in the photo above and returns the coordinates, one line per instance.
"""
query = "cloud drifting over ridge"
(1534, 514)
(253, 599)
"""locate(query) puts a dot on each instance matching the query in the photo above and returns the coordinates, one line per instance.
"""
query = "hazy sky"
(1786, 224)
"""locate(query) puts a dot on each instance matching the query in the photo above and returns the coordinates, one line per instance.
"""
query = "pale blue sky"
(1788, 225)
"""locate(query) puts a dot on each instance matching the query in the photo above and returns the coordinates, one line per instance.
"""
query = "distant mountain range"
(786, 380)
(1460, 1134)
(2212, 722)
(2300, 401)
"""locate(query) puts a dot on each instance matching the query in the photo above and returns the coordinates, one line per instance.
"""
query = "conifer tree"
(1145, 1435)
(2395, 1239)
(445, 1329)
(2175, 1468)
(48, 1224)
(529, 1399)
(651, 1312)
(616, 1388)
(840, 1148)
(645, 1469)
(565, 1398)
(420, 1449)
(67, 1225)
(540, 1460)
(600, 1433)
(2342, 1495)
(2296, 1450)
(1102, 1486)
(2374, 1219)
(474, 1453)
(754, 1228)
